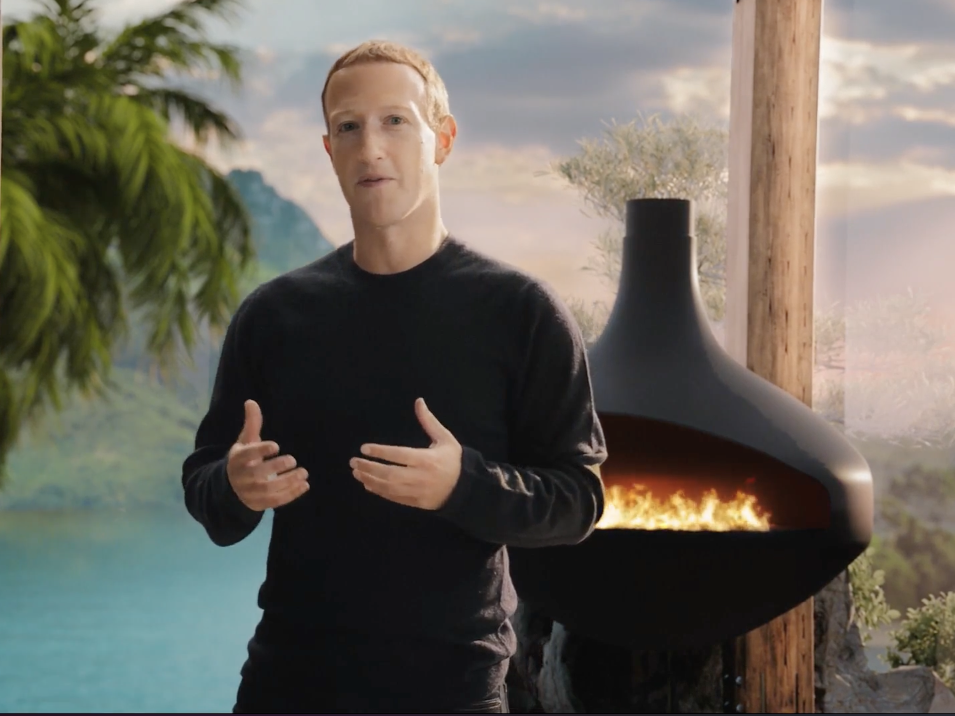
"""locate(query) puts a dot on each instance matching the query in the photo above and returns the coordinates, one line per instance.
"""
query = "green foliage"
(101, 212)
(121, 450)
(917, 558)
(870, 608)
(591, 318)
(652, 158)
(927, 637)
(929, 491)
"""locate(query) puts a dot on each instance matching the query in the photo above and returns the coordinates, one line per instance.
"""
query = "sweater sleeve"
(550, 492)
(209, 496)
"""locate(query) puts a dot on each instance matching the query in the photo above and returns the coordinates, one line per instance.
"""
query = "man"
(410, 408)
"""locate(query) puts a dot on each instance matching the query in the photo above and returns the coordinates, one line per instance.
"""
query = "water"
(123, 612)
(129, 612)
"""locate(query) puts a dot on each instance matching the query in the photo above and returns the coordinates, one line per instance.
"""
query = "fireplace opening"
(661, 476)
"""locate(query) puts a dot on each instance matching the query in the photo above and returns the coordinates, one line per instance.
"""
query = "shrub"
(869, 606)
(917, 558)
(927, 637)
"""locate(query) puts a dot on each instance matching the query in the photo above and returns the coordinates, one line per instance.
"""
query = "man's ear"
(328, 146)
(444, 139)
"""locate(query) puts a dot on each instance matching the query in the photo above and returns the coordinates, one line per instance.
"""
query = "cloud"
(554, 82)
(859, 79)
(548, 12)
(892, 21)
(698, 90)
(932, 116)
(886, 102)
(548, 79)
(117, 12)
(866, 186)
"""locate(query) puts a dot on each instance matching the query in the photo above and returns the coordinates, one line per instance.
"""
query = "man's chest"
(343, 378)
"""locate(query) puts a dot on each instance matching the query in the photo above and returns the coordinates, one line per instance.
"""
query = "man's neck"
(397, 248)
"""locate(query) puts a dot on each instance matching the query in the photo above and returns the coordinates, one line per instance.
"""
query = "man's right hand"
(259, 475)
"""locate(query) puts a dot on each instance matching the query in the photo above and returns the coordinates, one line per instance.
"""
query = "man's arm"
(552, 493)
(209, 496)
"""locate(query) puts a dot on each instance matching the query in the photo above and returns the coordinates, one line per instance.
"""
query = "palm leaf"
(101, 212)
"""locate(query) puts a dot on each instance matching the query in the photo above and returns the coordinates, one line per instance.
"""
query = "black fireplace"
(729, 501)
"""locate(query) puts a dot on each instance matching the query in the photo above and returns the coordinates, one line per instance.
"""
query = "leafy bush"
(870, 608)
(916, 558)
(927, 637)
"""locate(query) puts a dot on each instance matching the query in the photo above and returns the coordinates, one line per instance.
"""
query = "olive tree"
(652, 158)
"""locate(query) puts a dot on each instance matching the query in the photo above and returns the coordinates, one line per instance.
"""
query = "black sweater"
(361, 593)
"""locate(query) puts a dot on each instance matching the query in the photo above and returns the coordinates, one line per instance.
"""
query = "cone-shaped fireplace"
(729, 501)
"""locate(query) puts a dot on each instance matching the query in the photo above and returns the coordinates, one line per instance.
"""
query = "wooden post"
(770, 230)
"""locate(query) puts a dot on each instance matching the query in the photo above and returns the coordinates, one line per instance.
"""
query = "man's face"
(383, 150)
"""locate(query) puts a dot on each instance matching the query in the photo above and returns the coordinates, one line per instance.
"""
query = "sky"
(528, 80)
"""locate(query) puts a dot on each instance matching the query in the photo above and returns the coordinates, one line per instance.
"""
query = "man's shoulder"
(313, 277)
(498, 275)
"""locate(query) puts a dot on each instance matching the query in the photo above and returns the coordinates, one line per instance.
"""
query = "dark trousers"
(255, 698)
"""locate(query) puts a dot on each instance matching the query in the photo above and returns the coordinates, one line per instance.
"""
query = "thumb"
(435, 430)
(252, 427)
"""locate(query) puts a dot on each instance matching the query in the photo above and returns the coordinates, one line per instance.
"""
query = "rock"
(557, 671)
(944, 700)
(553, 683)
(845, 684)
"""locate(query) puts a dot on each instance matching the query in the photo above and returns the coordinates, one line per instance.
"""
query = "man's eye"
(395, 120)
(346, 126)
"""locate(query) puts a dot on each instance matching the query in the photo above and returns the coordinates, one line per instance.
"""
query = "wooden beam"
(771, 233)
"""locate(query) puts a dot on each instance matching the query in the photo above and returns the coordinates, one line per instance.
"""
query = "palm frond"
(203, 121)
(175, 40)
(100, 211)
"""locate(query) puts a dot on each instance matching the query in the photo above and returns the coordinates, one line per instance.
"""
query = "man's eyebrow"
(387, 108)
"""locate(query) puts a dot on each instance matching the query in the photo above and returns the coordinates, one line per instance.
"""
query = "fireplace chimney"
(680, 415)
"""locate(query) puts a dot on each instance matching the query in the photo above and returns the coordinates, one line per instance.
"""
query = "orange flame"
(637, 508)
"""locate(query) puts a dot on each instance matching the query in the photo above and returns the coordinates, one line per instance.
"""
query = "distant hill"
(127, 451)
(285, 236)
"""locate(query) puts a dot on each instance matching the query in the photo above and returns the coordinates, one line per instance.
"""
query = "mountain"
(126, 451)
(285, 236)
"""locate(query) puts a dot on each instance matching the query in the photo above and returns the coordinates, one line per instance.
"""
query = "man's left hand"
(419, 477)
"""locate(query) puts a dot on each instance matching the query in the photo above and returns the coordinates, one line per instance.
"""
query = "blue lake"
(128, 612)
(123, 612)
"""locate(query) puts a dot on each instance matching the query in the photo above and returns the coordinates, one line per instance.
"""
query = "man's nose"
(370, 148)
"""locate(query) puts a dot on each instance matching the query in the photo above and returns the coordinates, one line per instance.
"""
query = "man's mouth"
(372, 181)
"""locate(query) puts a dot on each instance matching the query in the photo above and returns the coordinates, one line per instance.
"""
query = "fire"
(637, 508)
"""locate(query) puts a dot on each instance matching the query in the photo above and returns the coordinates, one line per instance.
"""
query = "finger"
(273, 467)
(432, 426)
(377, 469)
(409, 457)
(253, 453)
(267, 491)
(282, 482)
(287, 491)
(389, 490)
(252, 427)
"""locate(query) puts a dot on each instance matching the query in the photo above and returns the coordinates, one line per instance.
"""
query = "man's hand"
(420, 477)
(259, 478)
